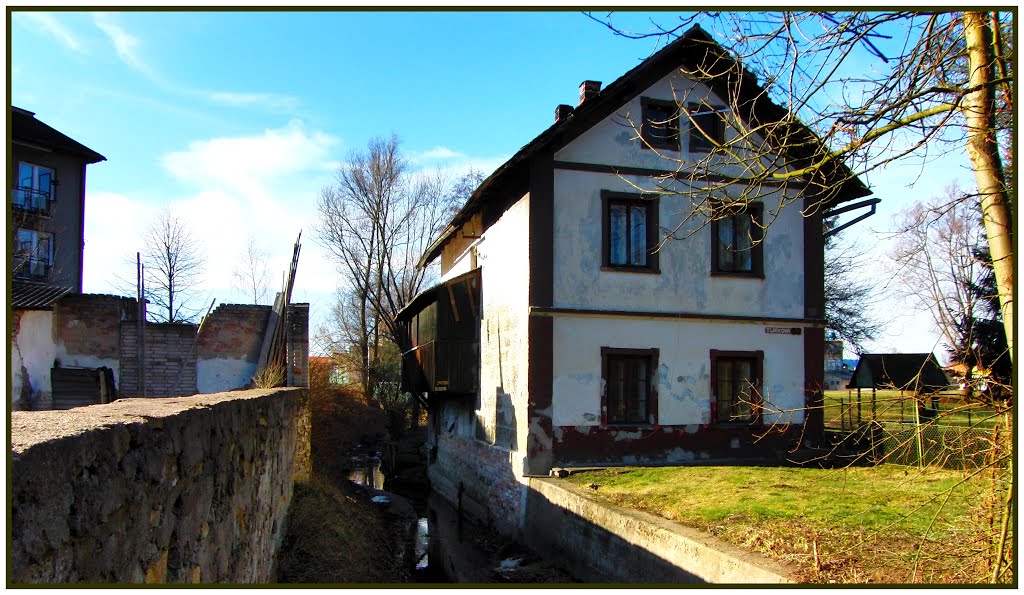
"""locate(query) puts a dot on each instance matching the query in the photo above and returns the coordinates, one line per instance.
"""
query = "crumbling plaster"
(683, 379)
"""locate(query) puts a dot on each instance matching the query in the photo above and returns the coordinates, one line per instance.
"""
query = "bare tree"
(173, 264)
(252, 275)
(935, 261)
(376, 220)
(849, 298)
(859, 91)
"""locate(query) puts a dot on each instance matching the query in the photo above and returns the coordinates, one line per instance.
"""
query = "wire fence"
(943, 430)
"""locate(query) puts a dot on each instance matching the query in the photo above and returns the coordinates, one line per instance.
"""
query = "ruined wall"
(32, 353)
(229, 346)
(93, 331)
(181, 490)
(170, 370)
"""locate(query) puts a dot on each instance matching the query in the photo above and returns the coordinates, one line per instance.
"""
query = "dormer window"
(660, 128)
(707, 127)
(33, 192)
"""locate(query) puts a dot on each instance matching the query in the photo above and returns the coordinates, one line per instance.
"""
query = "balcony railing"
(451, 366)
(31, 200)
(30, 267)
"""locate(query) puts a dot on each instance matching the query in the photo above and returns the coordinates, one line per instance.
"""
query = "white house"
(623, 292)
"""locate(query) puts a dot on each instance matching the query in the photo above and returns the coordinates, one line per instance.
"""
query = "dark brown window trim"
(697, 142)
(648, 140)
(758, 372)
(780, 321)
(652, 392)
(688, 175)
(756, 251)
(652, 204)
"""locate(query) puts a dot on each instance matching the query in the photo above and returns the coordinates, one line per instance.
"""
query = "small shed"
(919, 373)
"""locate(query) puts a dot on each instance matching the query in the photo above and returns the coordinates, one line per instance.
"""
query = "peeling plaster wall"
(684, 366)
(478, 445)
(32, 353)
(613, 141)
(684, 283)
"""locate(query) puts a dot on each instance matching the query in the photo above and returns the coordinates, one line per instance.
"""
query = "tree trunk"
(979, 111)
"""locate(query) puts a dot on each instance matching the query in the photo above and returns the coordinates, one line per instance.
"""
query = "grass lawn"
(894, 406)
(885, 524)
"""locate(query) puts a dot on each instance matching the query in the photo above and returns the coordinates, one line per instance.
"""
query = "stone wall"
(179, 490)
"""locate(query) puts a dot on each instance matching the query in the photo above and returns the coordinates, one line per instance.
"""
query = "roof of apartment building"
(29, 131)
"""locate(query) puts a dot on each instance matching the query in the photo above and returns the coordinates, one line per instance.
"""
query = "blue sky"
(237, 119)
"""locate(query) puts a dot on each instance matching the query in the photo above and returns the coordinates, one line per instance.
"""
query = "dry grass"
(336, 537)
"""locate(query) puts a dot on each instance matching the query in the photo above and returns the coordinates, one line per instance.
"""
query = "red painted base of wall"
(667, 445)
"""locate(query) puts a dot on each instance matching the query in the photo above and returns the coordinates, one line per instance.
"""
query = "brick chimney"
(589, 89)
(562, 112)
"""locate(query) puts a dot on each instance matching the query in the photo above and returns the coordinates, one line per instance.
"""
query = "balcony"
(442, 366)
(443, 329)
(31, 200)
(29, 267)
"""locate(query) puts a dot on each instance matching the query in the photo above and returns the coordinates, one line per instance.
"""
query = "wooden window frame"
(757, 369)
(652, 390)
(652, 204)
(710, 117)
(722, 214)
(648, 123)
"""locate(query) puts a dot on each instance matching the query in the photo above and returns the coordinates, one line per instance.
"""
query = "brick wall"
(169, 369)
(90, 325)
(182, 490)
(92, 331)
(233, 331)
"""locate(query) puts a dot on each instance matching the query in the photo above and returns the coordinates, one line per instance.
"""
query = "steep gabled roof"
(26, 129)
(695, 47)
(918, 372)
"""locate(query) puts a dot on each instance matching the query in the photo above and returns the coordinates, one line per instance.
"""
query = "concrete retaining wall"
(604, 543)
(178, 490)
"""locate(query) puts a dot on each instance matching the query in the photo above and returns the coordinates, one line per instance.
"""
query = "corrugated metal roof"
(33, 295)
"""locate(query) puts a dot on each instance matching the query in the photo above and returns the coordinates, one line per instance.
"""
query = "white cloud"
(48, 24)
(125, 44)
(249, 164)
(272, 101)
(435, 154)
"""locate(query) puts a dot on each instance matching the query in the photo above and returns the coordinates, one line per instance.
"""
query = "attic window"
(660, 128)
(707, 127)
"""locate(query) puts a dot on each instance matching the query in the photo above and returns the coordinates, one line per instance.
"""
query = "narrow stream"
(449, 547)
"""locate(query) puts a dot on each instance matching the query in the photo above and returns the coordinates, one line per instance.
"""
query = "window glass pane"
(726, 242)
(638, 235)
(744, 244)
(640, 397)
(25, 175)
(616, 391)
(43, 180)
(617, 234)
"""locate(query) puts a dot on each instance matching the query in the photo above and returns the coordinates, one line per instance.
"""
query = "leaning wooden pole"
(978, 107)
